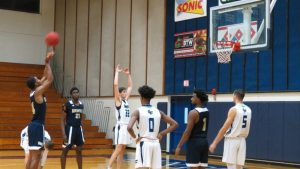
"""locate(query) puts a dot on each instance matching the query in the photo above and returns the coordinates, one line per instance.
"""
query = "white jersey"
(241, 123)
(149, 122)
(123, 113)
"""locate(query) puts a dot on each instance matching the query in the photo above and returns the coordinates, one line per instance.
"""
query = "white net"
(224, 51)
(224, 55)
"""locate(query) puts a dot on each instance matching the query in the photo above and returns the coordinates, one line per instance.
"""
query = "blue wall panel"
(280, 46)
(169, 63)
(265, 71)
(275, 124)
(224, 77)
(291, 151)
(201, 73)
(251, 72)
(294, 46)
(261, 116)
(237, 71)
(212, 72)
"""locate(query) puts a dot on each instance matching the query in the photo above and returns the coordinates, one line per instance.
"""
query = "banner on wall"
(189, 9)
(190, 44)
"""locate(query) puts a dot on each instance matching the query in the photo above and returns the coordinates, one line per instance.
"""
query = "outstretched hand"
(126, 71)
(118, 68)
(49, 56)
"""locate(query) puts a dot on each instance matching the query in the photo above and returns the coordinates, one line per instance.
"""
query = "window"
(32, 6)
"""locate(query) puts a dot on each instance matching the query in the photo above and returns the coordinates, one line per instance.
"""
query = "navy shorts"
(197, 152)
(35, 136)
(74, 136)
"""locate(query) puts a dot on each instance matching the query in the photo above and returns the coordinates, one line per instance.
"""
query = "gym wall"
(22, 34)
(96, 35)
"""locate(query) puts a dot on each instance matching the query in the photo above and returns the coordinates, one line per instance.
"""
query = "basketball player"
(196, 133)
(122, 137)
(71, 127)
(38, 102)
(235, 130)
(148, 151)
(24, 144)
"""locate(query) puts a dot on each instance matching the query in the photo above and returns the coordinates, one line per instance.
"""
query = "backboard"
(244, 21)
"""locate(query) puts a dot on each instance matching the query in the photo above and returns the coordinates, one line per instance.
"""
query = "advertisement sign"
(190, 9)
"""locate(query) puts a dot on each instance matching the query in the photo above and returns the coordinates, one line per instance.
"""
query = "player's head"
(74, 92)
(123, 92)
(146, 93)
(33, 82)
(199, 97)
(238, 95)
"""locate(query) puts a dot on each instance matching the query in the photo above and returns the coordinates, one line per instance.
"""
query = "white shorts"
(121, 135)
(234, 151)
(148, 154)
(24, 139)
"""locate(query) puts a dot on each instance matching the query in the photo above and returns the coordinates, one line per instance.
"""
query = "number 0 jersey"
(241, 123)
(149, 122)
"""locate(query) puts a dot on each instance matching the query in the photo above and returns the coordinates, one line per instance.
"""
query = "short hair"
(147, 92)
(201, 95)
(240, 93)
(121, 89)
(31, 82)
(72, 89)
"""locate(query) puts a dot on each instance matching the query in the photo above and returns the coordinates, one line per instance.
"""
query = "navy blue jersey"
(74, 113)
(38, 110)
(201, 127)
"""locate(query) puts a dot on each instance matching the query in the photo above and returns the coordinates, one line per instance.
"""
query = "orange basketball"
(52, 39)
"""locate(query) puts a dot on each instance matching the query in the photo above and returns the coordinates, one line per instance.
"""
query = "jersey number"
(151, 124)
(204, 124)
(77, 115)
(127, 113)
(244, 121)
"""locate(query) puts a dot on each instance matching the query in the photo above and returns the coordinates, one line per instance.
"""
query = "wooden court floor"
(98, 159)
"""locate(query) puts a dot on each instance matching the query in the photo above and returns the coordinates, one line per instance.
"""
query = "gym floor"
(98, 159)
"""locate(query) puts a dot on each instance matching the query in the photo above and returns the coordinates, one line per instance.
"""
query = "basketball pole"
(247, 12)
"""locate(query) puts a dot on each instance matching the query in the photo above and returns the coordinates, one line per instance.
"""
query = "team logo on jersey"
(150, 112)
(76, 110)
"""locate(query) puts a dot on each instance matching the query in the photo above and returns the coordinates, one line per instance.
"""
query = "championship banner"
(190, 44)
(190, 9)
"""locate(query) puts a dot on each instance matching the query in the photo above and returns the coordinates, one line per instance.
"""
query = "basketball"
(52, 39)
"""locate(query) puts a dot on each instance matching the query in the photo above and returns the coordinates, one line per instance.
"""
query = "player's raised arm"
(133, 119)
(116, 85)
(222, 131)
(186, 135)
(129, 88)
(47, 79)
(173, 125)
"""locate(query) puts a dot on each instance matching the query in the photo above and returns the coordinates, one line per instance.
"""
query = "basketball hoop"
(224, 50)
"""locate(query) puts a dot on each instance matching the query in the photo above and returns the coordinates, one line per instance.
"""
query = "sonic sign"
(190, 9)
